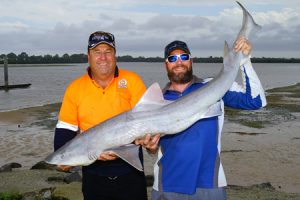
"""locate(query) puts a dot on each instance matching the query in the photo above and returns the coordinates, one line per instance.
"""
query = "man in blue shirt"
(188, 164)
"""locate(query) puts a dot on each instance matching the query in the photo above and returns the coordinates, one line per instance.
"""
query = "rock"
(70, 191)
(8, 167)
(75, 169)
(43, 165)
(55, 179)
(266, 185)
(46, 193)
(29, 196)
(74, 177)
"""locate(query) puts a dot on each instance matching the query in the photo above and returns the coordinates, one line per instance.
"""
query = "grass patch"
(291, 107)
(252, 119)
(46, 115)
(48, 123)
(58, 198)
(292, 91)
(281, 104)
(10, 196)
(254, 124)
(232, 112)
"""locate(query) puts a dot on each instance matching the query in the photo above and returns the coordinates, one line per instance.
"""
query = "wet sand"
(257, 146)
(26, 135)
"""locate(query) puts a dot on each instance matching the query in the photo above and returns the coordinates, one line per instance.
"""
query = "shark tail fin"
(249, 26)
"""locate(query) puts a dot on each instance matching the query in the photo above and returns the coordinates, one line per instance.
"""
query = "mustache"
(181, 78)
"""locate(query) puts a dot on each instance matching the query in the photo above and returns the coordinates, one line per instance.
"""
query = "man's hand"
(64, 167)
(243, 45)
(107, 156)
(150, 143)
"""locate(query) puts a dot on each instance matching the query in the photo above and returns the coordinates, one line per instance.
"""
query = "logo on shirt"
(122, 83)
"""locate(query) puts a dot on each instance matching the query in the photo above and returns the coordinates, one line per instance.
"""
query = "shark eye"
(62, 156)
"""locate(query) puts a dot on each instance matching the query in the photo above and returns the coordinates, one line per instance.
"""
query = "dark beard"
(182, 77)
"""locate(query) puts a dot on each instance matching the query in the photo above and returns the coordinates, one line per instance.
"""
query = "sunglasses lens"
(184, 57)
(172, 59)
(102, 37)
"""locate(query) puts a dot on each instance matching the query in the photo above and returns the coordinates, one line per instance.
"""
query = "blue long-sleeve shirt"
(191, 159)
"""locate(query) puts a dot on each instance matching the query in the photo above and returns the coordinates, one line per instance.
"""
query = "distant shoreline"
(24, 58)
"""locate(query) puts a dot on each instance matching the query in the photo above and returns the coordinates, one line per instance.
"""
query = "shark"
(153, 115)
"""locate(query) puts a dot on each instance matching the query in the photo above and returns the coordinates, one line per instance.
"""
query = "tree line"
(24, 58)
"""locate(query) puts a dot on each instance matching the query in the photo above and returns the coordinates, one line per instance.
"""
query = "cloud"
(11, 26)
(143, 28)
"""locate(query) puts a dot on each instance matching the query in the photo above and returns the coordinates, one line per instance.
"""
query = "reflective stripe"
(221, 174)
(256, 87)
(61, 124)
(156, 172)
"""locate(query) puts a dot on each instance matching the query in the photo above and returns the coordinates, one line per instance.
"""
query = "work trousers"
(130, 186)
(201, 194)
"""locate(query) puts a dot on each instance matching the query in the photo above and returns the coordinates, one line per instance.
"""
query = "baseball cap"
(100, 37)
(176, 45)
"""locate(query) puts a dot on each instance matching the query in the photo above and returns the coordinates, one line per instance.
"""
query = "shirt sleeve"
(62, 136)
(250, 95)
(68, 114)
(67, 125)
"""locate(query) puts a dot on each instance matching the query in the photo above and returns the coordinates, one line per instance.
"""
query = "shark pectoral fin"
(214, 110)
(130, 154)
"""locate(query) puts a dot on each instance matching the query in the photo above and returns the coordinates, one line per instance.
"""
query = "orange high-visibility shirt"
(86, 104)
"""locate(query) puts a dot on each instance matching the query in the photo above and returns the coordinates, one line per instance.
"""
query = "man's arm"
(62, 136)
(250, 95)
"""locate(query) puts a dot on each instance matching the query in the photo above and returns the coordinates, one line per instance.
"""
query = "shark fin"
(130, 154)
(151, 100)
(226, 49)
(214, 110)
(248, 25)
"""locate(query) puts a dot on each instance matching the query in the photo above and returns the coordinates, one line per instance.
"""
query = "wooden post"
(7, 87)
(5, 71)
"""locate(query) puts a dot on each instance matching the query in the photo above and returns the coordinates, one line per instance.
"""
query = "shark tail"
(249, 26)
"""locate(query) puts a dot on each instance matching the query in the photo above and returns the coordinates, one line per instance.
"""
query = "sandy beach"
(257, 146)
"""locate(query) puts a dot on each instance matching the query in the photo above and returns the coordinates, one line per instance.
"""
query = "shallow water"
(49, 82)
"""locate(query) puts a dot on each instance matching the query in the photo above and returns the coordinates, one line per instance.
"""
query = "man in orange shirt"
(103, 92)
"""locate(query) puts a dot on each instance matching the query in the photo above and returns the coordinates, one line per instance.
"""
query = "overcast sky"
(143, 28)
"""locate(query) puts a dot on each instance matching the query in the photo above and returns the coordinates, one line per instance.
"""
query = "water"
(50, 82)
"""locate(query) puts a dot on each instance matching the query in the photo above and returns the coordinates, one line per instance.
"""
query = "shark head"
(71, 154)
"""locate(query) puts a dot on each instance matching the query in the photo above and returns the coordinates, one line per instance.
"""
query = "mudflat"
(260, 149)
